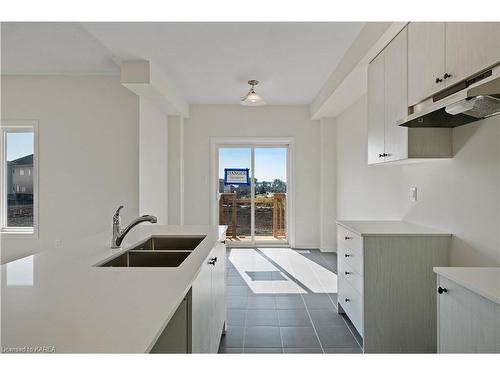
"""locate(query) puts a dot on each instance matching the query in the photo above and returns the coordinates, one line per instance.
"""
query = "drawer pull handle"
(347, 272)
(347, 299)
(438, 80)
(213, 261)
(442, 290)
(347, 255)
(347, 238)
(446, 75)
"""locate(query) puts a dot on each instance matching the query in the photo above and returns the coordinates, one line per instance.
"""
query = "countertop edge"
(389, 234)
(442, 271)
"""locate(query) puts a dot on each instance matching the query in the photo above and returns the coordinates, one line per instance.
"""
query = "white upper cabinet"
(442, 54)
(388, 102)
(426, 60)
(396, 101)
(470, 48)
(376, 110)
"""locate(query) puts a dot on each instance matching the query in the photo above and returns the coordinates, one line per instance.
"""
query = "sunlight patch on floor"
(313, 276)
(248, 263)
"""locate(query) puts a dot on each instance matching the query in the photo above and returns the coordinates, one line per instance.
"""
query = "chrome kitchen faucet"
(119, 234)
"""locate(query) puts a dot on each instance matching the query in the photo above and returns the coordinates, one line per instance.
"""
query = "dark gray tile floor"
(285, 323)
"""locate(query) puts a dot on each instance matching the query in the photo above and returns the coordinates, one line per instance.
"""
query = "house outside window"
(19, 180)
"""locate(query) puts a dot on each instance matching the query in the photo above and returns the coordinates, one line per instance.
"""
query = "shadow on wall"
(460, 138)
(466, 255)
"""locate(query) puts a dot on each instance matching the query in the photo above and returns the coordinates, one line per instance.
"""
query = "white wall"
(327, 184)
(153, 161)
(175, 170)
(88, 163)
(460, 194)
(207, 121)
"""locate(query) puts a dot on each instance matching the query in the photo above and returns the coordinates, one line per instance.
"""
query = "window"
(18, 149)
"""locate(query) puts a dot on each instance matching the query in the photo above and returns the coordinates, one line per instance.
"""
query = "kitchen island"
(60, 301)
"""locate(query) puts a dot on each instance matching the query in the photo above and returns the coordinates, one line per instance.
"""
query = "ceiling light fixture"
(252, 98)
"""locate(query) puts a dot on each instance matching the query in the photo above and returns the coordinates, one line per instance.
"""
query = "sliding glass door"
(252, 193)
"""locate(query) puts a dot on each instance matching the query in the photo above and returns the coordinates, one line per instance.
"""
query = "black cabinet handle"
(213, 261)
(347, 299)
(438, 80)
(442, 290)
(347, 255)
(380, 155)
(347, 273)
(446, 75)
(347, 238)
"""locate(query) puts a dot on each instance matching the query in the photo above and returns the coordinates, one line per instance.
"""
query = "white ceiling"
(208, 62)
(53, 48)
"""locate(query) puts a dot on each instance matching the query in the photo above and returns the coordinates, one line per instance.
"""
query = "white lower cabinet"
(199, 321)
(386, 287)
(208, 311)
(467, 322)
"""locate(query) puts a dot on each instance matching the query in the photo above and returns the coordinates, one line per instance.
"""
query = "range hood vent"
(463, 103)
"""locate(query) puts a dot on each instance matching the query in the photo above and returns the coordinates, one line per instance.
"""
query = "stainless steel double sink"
(157, 251)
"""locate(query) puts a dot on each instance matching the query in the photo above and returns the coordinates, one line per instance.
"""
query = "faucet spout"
(119, 234)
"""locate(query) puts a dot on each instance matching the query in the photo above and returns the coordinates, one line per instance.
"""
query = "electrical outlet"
(413, 194)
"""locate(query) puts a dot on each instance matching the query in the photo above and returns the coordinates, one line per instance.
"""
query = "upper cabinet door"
(376, 110)
(470, 48)
(426, 60)
(396, 99)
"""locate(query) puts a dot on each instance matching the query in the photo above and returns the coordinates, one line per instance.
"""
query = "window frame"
(18, 126)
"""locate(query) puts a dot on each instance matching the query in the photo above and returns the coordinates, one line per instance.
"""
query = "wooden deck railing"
(231, 201)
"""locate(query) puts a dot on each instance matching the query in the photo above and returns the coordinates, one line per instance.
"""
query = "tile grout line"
(312, 323)
(352, 333)
(279, 326)
(245, 328)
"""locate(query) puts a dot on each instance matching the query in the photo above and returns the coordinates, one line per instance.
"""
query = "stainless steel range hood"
(468, 101)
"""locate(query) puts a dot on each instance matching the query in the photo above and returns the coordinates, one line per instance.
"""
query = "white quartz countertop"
(59, 299)
(484, 281)
(390, 228)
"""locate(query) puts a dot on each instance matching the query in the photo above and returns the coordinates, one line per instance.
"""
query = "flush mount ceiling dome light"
(252, 98)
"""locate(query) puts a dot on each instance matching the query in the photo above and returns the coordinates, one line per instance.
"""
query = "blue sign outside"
(236, 176)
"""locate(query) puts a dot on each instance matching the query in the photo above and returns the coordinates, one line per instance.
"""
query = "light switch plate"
(413, 194)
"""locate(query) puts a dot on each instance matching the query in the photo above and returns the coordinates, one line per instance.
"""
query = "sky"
(270, 163)
(18, 145)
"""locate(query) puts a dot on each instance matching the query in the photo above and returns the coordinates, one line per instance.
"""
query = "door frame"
(218, 142)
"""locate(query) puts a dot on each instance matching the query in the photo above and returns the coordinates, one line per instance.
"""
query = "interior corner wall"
(327, 185)
(88, 155)
(175, 170)
(460, 195)
(206, 121)
(153, 161)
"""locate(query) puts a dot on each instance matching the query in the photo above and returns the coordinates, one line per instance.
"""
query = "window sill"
(23, 233)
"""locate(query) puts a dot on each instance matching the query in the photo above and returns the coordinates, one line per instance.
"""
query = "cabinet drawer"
(353, 277)
(353, 259)
(349, 241)
(352, 303)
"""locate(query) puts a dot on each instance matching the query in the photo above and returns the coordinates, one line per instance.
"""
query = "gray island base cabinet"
(199, 321)
(386, 284)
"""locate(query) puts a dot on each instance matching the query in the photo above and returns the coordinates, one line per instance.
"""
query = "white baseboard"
(328, 249)
(306, 246)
